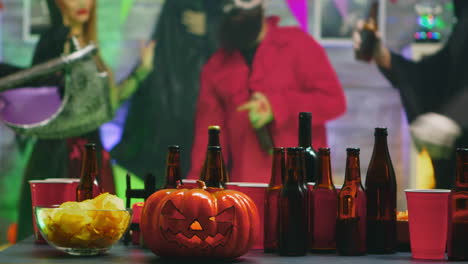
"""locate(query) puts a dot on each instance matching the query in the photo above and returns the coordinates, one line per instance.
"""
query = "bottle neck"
(373, 14)
(173, 174)
(294, 167)
(305, 132)
(89, 168)
(380, 146)
(214, 171)
(353, 169)
(325, 175)
(461, 178)
(213, 138)
(277, 172)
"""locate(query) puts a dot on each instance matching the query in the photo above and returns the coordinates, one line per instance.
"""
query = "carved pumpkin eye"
(225, 216)
(172, 212)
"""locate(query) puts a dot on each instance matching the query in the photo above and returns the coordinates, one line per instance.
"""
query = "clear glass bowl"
(82, 232)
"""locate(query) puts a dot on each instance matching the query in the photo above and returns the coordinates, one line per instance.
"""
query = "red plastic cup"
(51, 192)
(256, 191)
(428, 217)
(137, 208)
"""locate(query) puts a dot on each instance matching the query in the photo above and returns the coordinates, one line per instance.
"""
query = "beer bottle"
(351, 221)
(271, 226)
(323, 209)
(173, 175)
(368, 38)
(302, 178)
(213, 169)
(292, 208)
(213, 136)
(214, 141)
(458, 210)
(305, 141)
(381, 198)
(89, 174)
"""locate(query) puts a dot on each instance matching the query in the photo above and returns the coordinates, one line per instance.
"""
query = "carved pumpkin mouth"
(219, 240)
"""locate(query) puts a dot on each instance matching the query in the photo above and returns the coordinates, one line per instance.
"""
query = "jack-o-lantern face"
(214, 223)
(189, 230)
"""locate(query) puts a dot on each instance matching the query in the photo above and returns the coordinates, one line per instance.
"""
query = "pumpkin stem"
(201, 185)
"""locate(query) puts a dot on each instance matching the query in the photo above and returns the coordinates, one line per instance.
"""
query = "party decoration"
(201, 222)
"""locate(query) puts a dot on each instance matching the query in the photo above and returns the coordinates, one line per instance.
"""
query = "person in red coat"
(262, 76)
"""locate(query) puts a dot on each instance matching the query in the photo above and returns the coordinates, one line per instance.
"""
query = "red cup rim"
(189, 181)
(55, 181)
(252, 184)
(63, 179)
(427, 190)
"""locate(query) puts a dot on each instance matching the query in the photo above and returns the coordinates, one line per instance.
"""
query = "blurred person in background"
(59, 158)
(434, 92)
(162, 111)
(262, 77)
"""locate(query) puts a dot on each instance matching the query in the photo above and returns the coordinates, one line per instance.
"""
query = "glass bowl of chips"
(84, 228)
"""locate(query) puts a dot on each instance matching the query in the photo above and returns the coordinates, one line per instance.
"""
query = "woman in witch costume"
(434, 93)
(165, 103)
(58, 158)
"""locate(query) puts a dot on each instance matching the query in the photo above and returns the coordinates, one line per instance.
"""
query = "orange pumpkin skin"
(210, 223)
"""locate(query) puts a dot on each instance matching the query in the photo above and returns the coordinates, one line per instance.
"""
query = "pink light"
(299, 10)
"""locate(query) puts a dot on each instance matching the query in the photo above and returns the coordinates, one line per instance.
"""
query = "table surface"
(29, 252)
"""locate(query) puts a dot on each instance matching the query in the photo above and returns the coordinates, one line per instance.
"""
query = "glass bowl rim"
(56, 207)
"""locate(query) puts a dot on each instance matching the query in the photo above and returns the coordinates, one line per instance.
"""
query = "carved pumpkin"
(204, 222)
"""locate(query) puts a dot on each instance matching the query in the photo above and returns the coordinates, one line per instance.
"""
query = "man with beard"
(259, 80)
(434, 93)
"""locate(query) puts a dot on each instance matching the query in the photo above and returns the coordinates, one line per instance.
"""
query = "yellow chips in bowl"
(95, 223)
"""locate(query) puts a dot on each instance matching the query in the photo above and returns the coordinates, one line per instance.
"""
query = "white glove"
(437, 133)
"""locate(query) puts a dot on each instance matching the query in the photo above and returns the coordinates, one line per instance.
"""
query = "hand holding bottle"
(260, 110)
(379, 53)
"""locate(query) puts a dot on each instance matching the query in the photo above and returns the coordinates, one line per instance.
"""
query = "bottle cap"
(353, 150)
(381, 131)
(305, 115)
(90, 146)
(174, 147)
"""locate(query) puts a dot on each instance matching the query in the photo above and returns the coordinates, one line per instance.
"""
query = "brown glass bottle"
(214, 141)
(272, 193)
(89, 173)
(305, 141)
(381, 198)
(173, 175)
(368, 37)
(351, 221)
(292, 208)
(213, 169)
(323, 209)
(458, 211)
(305, 189)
